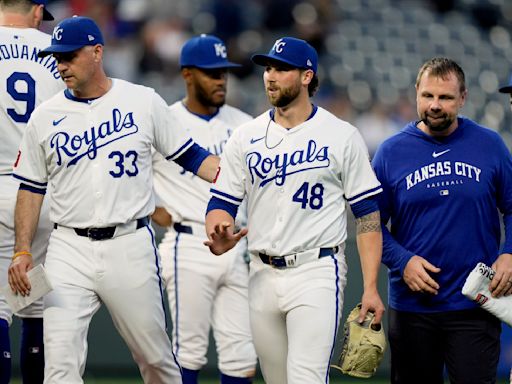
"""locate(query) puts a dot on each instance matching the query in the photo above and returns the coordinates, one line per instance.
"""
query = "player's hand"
(417, 278)
(501, 284)
(18, 279)
(372, 302)
(221, 238)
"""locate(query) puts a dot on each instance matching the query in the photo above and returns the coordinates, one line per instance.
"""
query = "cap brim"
(47, 15)
(263, 60)
(506, 89)
(58, 49)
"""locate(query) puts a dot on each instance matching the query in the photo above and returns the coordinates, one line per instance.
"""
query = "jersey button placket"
(282, 196)
(96, 179)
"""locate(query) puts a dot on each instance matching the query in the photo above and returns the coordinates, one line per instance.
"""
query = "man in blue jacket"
(445, 180)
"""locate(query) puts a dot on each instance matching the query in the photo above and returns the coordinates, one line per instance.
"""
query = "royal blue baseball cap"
(73, 33)
(290, 50)
(46, 15)
(205, 51)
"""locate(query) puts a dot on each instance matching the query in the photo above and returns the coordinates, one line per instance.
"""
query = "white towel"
(476, 288)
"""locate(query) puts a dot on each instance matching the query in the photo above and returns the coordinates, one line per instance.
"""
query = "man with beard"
(297, 165)
(444, 179)
(204, 292)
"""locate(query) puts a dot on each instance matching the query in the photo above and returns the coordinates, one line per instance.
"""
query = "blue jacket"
(442, 197)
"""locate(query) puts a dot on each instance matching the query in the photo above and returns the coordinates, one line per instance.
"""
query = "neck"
(447, 132)
(17, 20)
(97, 88)
(295, 113)
(194, 106)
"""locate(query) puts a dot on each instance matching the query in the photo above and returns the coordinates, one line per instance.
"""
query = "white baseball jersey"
(205, 292)
(101, 175)
(183, 194)
(296, 182)
(96, 157)
(25, 81)
(302, 175)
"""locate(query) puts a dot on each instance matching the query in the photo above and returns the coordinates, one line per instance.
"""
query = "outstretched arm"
(208, 168)
(369, 245)
(26, 217)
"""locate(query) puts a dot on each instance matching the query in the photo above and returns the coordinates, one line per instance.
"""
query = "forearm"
(394, 255)
(369, 245)
(26, 217)
(216, 217)
(208, 168)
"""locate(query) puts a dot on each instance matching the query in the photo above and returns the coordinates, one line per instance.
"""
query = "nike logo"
(256, 140)
(437, 154)
(57, 122)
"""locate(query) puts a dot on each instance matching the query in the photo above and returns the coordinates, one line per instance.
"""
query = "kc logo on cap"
(57, 33)
(292, 51)
(205, 51)
(278, 45)
(72, 34)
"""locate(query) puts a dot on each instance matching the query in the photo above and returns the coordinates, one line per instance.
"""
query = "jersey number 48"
(314, 197)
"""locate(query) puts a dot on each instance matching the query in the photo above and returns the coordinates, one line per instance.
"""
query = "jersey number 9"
(22, 87)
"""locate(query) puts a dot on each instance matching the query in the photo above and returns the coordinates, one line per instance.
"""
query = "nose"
(269, 74)
(435, 105)
(61, 65)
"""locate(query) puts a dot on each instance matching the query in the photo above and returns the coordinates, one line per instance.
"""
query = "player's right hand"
(18, 279)
(221, 238)
(417, 277)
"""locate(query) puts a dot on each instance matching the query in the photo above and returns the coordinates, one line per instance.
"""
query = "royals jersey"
(443, 196)
(181, 193)
(296, 180)
(25, 80)
(97, 154)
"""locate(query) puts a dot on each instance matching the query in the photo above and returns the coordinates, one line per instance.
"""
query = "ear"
(37, 15)
(98, 53)
(307, 76)
(187, 74)
(463, 98)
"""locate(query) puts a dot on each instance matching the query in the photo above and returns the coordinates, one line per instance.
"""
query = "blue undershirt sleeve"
(192, 158)
(216, 203)
(364, 207)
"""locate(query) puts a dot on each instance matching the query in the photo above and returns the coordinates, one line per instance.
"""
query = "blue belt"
(280, 261)
(180, 228)
(104, 233)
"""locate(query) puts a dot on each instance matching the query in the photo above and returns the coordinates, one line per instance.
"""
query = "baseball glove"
(363, 346)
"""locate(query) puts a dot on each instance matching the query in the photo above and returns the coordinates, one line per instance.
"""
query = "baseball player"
(203, 291)
(297, 165)
(25, 81)
(92, 143)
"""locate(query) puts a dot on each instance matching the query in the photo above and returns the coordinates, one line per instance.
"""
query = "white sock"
(476, 288)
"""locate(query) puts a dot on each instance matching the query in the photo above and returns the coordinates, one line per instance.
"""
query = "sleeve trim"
(225, 196)
(181, 150)
(34, 183)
